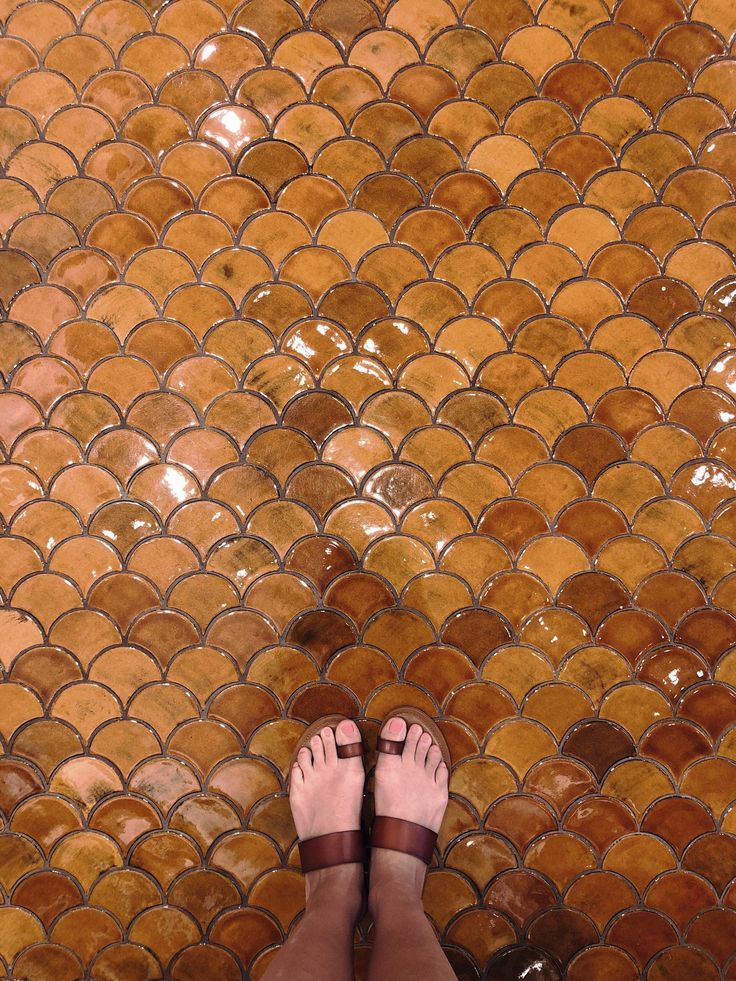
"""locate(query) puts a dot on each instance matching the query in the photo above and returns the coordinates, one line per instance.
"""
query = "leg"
(413, 786)
(321, 944)
(406, 947)
(325, 794)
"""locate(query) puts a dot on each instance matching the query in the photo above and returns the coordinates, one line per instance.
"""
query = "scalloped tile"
(353, 356)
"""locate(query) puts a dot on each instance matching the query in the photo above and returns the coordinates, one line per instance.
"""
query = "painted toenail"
(394, 725)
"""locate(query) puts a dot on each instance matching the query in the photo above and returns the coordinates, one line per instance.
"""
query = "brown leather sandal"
(339, 846)
(395, 833)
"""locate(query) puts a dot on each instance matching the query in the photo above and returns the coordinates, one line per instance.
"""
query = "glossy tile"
(356, 354)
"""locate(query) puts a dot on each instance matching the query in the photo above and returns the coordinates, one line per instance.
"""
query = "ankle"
(341, 884)
(396, 876)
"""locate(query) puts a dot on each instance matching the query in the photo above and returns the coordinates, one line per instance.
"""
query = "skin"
(326, 795)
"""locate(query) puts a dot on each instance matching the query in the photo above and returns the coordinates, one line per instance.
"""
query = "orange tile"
(356, 357)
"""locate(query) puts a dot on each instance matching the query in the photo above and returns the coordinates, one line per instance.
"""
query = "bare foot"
(326, 794)
(413, 786)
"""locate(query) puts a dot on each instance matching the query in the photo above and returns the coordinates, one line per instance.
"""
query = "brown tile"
(346, 369)
(559, 782)
(43, 959)
(600, 820)
(678, 820)
(713, 931)
(518, 960)
(599, 745)
(680, 896)
(683, 962)
(205, 960)
(700, 857)
(520, 894)
(642, 934)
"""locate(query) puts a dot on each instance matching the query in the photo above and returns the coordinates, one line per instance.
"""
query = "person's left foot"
(326, 795)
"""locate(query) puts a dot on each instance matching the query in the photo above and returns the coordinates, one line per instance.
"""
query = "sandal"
(395, 833)
(338, 846)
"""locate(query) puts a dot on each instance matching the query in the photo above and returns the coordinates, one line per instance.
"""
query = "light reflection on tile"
(369, 354)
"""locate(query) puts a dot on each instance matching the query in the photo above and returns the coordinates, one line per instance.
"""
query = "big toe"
(394, 729)
(347, 732)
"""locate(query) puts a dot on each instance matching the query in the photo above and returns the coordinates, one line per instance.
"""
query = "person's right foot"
(414, 787)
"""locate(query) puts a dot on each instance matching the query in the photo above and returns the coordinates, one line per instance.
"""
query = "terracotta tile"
(562, 933)
(381, 384)
(682, 962)
(44, 959)
(123, 958)
(642, 934)
(600, 820)
(601, 895)
(599, 745)
(520, 894)
(517, 960)
(205, 960)
(20, 857)
(678, 820)
(559, 782)
(680, 895)
(45, 819)
(712, 856)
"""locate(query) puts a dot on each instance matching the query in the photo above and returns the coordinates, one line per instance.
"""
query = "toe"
(423, 744)
(318, 750)
(442, 774)
(412, 738)
(297, 777)
(433, 758)
(347, 732)
(394, 729)
(328, 741)
(304, 759)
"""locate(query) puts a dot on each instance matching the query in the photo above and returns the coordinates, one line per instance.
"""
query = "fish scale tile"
(357, 354)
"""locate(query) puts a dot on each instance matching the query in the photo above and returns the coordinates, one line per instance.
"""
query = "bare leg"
(412, 786)
(321, 944)
(325, 796)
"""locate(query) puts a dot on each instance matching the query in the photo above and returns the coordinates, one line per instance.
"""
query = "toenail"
(394, 725)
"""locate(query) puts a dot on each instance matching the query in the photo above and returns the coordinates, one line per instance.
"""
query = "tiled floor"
(353, 355)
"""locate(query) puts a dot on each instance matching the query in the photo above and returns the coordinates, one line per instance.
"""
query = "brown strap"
(403, 836)
(333, 849)
(393, 746)
(350, 749)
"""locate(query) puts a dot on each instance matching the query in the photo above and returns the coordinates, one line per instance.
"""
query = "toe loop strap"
(403, 836)
(333, 849)
(351, 749)
(392, 746)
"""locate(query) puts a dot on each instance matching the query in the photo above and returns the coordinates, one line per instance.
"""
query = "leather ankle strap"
(403, 836)
(332, 849)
